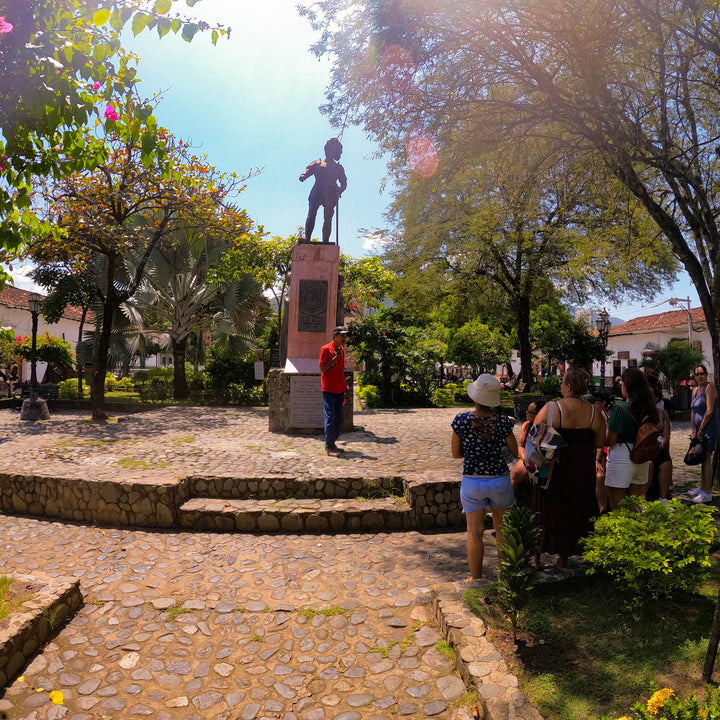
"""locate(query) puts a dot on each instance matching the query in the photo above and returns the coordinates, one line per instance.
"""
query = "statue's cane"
(337, 221)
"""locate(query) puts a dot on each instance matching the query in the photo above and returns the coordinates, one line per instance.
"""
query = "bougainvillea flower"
(110, 113)
(3, 162)
(97, 85)
(5, 26)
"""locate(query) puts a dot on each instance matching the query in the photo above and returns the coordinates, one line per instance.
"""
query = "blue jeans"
(332, 408)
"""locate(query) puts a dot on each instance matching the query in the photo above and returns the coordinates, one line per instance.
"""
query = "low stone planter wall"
(478, 663)
(24, 632)
(434, 501)
(138, 503)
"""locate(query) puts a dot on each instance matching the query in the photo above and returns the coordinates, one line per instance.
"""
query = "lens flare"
(422, 155)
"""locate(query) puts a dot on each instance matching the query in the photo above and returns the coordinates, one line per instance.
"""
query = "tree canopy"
(62, 66)
(633, 81)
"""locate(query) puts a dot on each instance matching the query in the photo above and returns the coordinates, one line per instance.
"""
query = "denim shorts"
(481, 491)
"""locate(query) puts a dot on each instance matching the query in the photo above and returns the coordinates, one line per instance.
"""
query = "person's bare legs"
(616, 496)
(636, 489)
(475, 546)
(497, 516)
(665, 479)
(601, 491)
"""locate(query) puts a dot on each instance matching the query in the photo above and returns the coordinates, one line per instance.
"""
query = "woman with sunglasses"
(705, 428)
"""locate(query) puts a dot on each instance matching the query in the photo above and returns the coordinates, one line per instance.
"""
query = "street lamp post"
(603, 325)
(676, 301)
(34, 304)
(34, 408)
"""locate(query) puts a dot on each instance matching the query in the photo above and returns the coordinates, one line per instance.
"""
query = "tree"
(115, 215)
(177, 291)
(268, 261)
(367, 283)
(61, 65)
(674, 363)
(633, 82)
(563, 338)
(517, 220)
(480, 346)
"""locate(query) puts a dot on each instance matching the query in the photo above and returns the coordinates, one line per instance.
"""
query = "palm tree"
(673, 363)
(178, 292)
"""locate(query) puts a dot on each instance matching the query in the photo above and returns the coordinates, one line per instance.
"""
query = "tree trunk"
(79, 363)
(180, 387)
(101, 359)
(525, 348)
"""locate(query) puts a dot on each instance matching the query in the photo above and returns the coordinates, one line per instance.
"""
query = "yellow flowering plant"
(664, 704)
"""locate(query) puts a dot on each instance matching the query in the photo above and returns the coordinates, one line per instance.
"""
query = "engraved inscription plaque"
(306, 406)
(312, 301)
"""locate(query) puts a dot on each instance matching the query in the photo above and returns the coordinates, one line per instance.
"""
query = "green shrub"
(225, 369)
(370, 395)
(516, 572)
(68, 389)
(443, 397)
(110, 382)
(652, 549)
(124, 383)
(549, 386)
(155, 389)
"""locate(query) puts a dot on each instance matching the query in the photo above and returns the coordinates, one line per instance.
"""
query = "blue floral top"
(482, 441)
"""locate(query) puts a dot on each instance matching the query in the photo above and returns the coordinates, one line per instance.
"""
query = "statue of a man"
(330, 183)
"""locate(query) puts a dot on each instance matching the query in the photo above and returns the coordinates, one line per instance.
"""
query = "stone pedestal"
(34, 408)
(294, 393)
(312, 304)
(296, 406)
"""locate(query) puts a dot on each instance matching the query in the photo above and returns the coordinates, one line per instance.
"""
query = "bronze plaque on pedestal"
(312, 311)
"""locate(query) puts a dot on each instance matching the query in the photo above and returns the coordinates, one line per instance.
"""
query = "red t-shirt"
(333, 379)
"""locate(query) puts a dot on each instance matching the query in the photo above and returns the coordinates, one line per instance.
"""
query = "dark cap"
(340, 330)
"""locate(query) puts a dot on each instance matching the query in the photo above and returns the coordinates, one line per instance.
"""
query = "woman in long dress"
(705, 428)
(565, 509)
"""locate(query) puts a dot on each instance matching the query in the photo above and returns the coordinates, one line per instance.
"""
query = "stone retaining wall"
(434, 500)
(24, 632)
(478, 662)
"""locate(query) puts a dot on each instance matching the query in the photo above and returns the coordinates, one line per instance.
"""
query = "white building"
(629, 341)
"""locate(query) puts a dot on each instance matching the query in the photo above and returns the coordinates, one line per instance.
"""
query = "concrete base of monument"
(296, 406)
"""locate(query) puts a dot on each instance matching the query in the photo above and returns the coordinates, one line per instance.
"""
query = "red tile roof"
(662, 321)
(13, 297)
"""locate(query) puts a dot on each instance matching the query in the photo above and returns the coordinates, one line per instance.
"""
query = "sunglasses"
(698, 374)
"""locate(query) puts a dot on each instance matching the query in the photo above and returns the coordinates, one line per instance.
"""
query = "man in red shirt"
(332, 380)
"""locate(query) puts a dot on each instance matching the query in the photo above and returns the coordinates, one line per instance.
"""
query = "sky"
(252, 101)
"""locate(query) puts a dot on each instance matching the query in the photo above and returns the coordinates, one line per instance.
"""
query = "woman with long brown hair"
(624, 477)
(705, 428)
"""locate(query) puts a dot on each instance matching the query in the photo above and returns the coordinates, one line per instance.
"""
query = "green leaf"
(101, 16)
(140, 20)
(149, 141)
(192, 3)
(163, 6)
(163, 27)
(189, 31)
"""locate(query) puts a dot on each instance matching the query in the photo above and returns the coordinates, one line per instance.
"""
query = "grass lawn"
(581, 655)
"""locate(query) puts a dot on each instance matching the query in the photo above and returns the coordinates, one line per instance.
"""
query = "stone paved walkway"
(204, 626)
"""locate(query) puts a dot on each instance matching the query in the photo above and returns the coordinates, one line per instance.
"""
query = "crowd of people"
(592, 469)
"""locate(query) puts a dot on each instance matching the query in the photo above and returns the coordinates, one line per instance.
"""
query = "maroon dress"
(565, 509)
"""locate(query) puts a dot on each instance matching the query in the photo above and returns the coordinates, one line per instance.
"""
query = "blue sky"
(252, 100)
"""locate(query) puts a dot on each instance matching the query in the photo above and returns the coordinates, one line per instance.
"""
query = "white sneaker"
(693, 492)
(702, 497)
(664, 501)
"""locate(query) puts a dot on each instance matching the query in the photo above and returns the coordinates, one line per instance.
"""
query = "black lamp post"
(34, 408)
(603, 325)
(34, 303)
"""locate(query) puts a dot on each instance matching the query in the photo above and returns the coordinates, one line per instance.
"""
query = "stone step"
(290, 486)
(293, 515)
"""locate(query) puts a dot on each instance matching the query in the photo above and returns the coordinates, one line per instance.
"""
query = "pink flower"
(3, 162)
(110, 113)
(5, 27)
(97, 85)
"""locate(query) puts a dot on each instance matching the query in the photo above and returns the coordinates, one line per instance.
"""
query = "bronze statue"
(330, 183)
